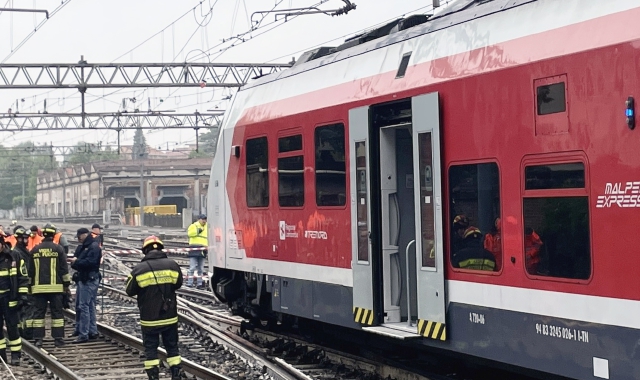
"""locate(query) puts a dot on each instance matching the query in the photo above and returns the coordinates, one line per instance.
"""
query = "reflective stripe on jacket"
(48, 268)
(23, 256)
(14, 279)
(155, 281)
(198, 238)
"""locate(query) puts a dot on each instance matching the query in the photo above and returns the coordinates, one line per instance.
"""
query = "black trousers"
(9, 316)
(151, 341)
(26, 318)
(40, 310)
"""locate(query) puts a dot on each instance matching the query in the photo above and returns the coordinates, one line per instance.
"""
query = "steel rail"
(48, 361)
(135, 343)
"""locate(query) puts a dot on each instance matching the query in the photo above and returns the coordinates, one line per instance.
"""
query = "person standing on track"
(155, 281)
(13, 286)
(197, 233)
(50, 279)
(25, 315)
(86, 262)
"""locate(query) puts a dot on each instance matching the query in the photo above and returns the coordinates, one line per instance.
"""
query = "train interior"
(398, 271)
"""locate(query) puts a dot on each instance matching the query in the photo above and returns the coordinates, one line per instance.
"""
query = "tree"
(207, 143)
(84, 153)
(139, 145)
(18, 165)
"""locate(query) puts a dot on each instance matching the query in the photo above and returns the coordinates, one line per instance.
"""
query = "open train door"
(360, 216)
(428, 218)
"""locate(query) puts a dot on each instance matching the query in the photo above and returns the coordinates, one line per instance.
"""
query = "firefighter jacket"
(88, 260)
(22, 254)
(197, 234)
(14, 279)
(48, 268)
(155, 281)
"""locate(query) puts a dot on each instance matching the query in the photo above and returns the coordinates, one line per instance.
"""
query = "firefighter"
(460, 225)
(13, 285)
(50, 279)
(473, 255)
(155, 281)
(20, 241)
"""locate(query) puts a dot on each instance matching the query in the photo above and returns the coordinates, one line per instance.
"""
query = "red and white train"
(336, 182)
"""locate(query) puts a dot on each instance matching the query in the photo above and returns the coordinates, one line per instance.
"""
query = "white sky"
(105, 30)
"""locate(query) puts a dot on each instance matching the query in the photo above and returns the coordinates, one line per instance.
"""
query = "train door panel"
(428, 217)
(362, 267)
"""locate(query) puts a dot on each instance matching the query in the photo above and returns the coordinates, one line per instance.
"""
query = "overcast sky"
(107, 30)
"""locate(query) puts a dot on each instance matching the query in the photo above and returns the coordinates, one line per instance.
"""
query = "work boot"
(59, 342)
(38, 343)
(153, 373)
(15, 358)
(3, 355)
(176, 372)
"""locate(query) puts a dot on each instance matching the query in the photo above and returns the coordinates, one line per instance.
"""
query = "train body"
(336, 184)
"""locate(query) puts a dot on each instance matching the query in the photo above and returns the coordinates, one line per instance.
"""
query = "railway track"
(114, 355)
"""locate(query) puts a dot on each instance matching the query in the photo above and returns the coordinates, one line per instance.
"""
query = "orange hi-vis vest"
(33, 241)
(11, 240)
(56, 237)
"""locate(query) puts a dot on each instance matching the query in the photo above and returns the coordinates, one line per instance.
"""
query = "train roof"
(396, 31)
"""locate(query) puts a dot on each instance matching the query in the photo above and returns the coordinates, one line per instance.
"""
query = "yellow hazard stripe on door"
(432, 330)
(363, 316)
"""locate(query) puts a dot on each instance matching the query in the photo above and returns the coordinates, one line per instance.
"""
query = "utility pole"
(64, 194)
(141, 190)
(23, 175)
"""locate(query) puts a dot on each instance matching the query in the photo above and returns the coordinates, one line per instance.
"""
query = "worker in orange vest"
(58, 238)
(96, 232)
(493, 243)
(35, 238)
(532, 245)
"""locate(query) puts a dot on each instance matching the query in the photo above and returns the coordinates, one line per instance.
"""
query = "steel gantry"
(114, 121)
(83, 75)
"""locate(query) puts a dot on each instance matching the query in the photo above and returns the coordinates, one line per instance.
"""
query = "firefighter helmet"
(21, 232)
(49, 230)
(472, 232)
(152, 242)
(460, 222)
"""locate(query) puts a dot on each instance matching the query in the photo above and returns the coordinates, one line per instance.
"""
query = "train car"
(468, 181)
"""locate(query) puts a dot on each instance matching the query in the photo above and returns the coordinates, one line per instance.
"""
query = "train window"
(331, 178)
(556, 223)
(291, 181)
(257, 172)
(290, 144)
(551, 98)
(556, 237)
(555, 176)
(362, 206)
(476, 238)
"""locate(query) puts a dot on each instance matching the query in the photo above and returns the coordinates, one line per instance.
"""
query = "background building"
(113, 186)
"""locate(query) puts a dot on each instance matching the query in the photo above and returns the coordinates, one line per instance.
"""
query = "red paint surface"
(487, 112)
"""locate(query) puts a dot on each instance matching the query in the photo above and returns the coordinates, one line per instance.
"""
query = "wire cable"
(38, 27)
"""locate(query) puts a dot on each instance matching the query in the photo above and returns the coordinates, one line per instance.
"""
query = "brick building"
(90, 189)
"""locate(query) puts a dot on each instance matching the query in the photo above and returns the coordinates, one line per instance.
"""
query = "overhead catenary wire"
(38, 27)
